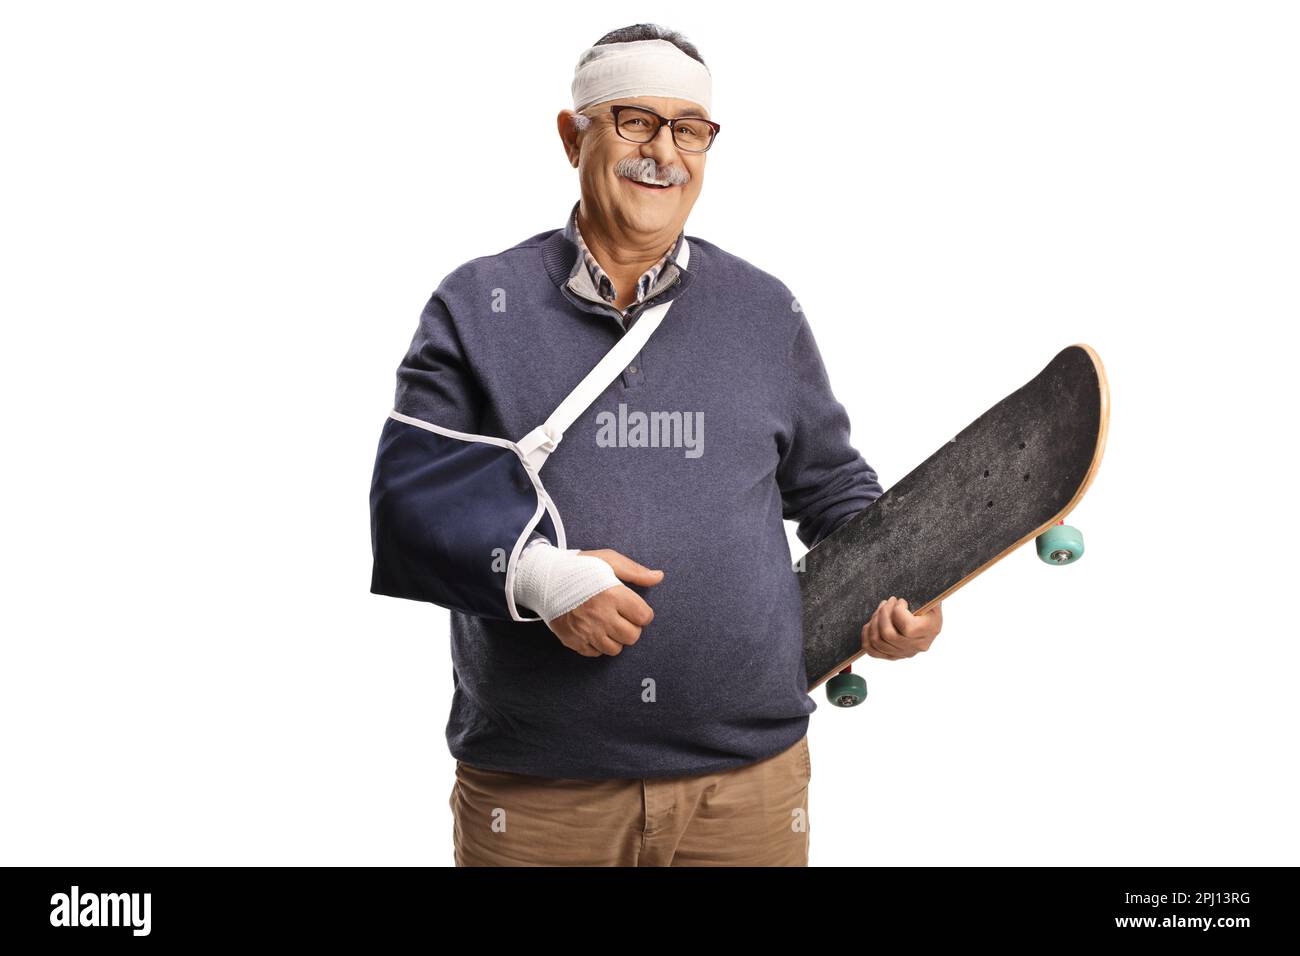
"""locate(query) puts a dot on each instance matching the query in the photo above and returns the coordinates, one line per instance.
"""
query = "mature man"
(660, 715)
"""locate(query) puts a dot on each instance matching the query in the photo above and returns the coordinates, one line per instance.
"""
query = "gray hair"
(651, 31)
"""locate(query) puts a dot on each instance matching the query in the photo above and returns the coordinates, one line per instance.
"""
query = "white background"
(221, 222)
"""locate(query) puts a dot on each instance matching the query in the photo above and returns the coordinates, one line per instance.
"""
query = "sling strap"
(538, 444)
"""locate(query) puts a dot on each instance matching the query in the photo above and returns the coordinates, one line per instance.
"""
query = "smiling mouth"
(637, 182)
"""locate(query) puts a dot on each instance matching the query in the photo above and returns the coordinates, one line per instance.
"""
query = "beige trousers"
(755, 815)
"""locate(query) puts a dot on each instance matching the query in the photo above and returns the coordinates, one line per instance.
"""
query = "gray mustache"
(646, 168)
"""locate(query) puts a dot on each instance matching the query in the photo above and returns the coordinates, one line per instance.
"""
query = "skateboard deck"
(1008, 477)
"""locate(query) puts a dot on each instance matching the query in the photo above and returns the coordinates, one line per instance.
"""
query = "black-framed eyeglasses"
(636, 124)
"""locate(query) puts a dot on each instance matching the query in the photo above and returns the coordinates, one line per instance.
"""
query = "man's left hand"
(894, 632)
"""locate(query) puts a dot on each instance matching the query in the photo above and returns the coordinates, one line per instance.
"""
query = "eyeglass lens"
(640, 127)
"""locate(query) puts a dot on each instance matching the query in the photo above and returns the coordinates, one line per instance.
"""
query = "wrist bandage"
(553, 581)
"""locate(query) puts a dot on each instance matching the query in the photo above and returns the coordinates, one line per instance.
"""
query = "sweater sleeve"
(824, 481)
(434, 380)
(445, 511)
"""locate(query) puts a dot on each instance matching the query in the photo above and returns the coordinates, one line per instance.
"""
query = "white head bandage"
(639, 68)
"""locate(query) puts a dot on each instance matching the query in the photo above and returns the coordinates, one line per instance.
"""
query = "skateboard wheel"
(846, 690)
(1060, 544)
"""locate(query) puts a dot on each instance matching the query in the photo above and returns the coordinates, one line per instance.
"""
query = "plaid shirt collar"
(599, 279)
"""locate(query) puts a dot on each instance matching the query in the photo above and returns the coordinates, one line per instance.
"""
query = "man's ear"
(570, 126)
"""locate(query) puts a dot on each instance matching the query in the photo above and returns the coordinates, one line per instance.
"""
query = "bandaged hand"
(580, 596)
(553, 581)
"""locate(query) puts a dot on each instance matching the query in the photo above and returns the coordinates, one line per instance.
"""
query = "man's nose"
(662, 145)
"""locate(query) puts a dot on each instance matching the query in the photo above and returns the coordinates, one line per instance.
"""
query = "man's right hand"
(611, 619)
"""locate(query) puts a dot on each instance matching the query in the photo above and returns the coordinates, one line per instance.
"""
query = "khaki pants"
(755, 815)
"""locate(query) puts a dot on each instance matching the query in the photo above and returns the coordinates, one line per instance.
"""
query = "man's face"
(609, 166)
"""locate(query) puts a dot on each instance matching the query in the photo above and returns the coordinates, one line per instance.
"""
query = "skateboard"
(1011, 475)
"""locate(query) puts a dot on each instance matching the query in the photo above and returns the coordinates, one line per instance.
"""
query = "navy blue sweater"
(717, 678)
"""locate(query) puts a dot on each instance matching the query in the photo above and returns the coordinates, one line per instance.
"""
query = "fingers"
(628, 614)
(895, 633)
(871, 637)
(633, 607)
(906, 625)
(919, 630)
(618, 635)
(604, 644)
(605, 623)
(889, 636)
(625, 569)
(622, 630)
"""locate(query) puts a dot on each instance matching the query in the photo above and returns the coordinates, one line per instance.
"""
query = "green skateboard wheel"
(846, 690)
(1060, 544)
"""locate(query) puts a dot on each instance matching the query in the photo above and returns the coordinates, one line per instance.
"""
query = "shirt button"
(632, 369)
